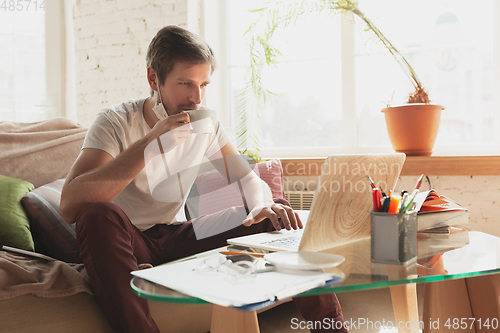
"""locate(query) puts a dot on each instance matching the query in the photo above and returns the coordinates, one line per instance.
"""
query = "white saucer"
(304, 260)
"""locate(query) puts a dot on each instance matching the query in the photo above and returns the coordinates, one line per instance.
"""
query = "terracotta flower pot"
(413, 128)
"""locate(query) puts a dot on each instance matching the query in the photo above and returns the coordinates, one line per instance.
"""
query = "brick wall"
(111, 40)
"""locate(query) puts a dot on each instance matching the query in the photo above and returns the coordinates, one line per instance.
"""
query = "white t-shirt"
(119, 126)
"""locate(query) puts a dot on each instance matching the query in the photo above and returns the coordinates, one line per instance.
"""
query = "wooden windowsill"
(414, 165)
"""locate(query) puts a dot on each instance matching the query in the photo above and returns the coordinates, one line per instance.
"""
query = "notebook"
(340, 210)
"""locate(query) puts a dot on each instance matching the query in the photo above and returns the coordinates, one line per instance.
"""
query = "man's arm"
(257, 193)
(97, 176)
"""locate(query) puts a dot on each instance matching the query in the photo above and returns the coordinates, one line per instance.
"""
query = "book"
(437, 232)
(431, 246)
(436, 210)
(428, 220)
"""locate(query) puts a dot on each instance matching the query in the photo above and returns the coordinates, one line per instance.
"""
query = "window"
(451, 46)
(335, 77)
(30, 61)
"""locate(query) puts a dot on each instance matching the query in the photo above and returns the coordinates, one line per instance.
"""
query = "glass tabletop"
(461, 255)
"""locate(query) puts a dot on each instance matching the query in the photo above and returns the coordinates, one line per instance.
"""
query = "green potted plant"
(412, 127)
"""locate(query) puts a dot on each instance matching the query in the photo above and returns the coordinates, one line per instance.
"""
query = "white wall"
(111, 38)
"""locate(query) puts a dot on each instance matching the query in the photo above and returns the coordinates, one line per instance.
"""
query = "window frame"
(55, 62)
(213, 24)
(55, 55)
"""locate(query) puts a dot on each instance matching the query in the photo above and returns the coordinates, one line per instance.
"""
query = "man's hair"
(173, 44)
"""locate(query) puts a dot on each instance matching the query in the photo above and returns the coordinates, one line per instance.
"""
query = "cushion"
(215, 195)
(14, 224)
(53, 236)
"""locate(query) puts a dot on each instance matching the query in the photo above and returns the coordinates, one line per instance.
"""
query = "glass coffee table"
(462, 269)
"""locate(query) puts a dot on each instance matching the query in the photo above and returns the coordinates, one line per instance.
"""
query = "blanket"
(20, 275)
(40, 152)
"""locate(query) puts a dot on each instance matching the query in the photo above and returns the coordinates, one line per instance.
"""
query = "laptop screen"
(343, 198)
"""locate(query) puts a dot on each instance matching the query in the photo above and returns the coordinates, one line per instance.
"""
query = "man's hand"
(281, 216)
(172, 131)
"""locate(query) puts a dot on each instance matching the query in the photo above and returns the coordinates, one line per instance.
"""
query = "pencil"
(232, 253)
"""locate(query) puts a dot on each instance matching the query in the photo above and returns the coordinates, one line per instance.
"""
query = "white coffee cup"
(202, 121)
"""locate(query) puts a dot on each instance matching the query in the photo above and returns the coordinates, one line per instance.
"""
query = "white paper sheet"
(222, 289)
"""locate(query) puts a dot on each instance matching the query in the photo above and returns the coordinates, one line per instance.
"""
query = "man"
(119, 223)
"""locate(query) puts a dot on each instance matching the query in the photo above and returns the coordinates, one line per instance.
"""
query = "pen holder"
(393, 237)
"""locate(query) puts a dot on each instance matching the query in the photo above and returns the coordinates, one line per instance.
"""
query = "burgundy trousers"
(111, 247)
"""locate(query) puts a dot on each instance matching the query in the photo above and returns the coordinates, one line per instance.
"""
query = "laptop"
(340, 210)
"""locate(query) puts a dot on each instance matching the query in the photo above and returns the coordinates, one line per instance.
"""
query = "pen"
(372, 184)
(419, 182)
(403, 201)
(232, 253)
(410, 201)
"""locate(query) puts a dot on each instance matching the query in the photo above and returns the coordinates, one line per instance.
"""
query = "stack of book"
(439, 223)
(437, 213)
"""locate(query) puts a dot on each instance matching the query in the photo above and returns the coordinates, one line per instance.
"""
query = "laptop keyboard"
(291, 242)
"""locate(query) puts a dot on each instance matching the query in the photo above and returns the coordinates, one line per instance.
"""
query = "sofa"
(37, 295)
